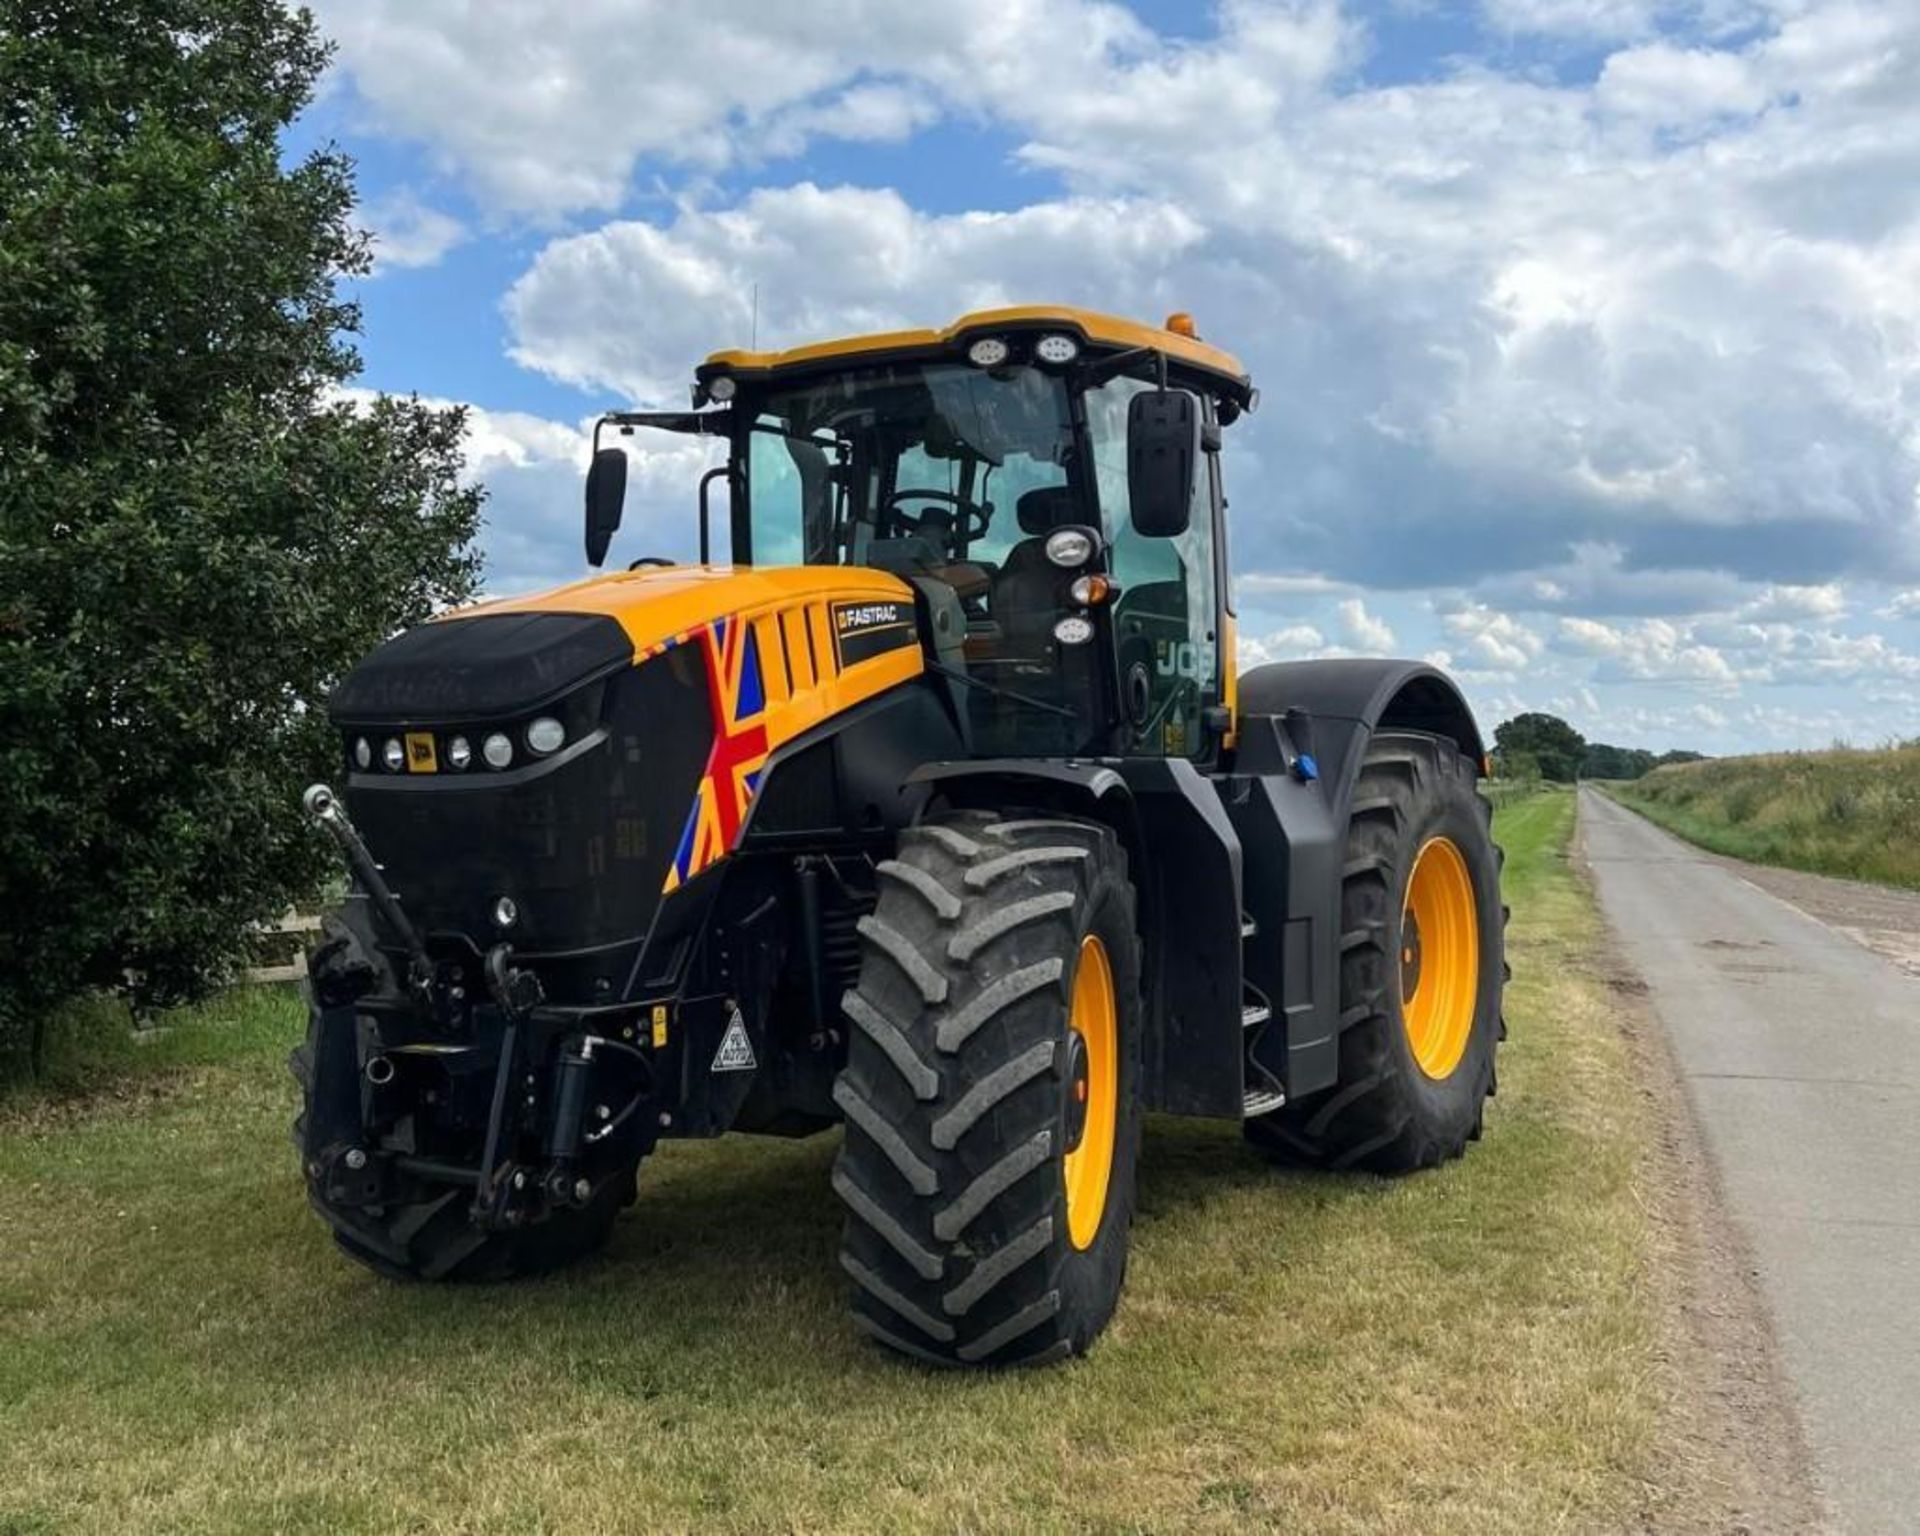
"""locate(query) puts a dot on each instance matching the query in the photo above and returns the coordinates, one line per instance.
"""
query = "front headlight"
(1068, 547)
(546, 735)
(498, 750)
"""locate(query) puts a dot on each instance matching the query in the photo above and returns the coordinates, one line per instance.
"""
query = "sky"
(1587, 331)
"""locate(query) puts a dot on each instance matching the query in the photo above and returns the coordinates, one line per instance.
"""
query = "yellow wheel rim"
(1439, 957)
(1093, 1090)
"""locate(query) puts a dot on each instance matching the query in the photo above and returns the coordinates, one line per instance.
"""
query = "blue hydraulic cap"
(1306, 767)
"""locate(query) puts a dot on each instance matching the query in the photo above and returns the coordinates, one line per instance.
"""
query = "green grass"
(1849, 813)
(1471, 1349)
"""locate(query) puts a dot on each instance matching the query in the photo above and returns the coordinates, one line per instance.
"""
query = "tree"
(1556, 746)
(198, 533)
(1603, 761)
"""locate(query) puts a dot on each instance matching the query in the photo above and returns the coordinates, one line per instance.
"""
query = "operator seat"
(1025, 597)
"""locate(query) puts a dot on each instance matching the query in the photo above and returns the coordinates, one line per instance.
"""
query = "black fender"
(1343, 702)
(1301, 737)
(1185, 859)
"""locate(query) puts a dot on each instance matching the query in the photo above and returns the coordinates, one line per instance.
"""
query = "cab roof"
(1095, 330)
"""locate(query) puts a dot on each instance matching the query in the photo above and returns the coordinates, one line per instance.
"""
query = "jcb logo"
(1183, 658)
(420, 754)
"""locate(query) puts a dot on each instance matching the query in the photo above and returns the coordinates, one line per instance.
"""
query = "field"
(1855, 814)
(1470, 1349)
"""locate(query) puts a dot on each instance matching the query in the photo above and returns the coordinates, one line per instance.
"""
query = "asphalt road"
(1800, 1048)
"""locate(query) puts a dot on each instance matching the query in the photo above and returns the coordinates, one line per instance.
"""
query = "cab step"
(1261, 1101)
(1248, 927)
(1253, 1015)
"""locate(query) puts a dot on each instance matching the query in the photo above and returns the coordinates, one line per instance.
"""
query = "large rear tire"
(990, 1092)
(1422, 965)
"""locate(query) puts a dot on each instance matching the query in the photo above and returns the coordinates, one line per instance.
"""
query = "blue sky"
(1588, 330)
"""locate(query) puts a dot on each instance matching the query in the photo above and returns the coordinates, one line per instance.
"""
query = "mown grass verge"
(1849, 813)
(1471, 1349)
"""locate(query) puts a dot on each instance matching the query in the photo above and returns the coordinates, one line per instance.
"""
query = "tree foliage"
(198, 533)
(1555, 748)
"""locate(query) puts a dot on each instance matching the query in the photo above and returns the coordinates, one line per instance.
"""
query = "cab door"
(1167, 620)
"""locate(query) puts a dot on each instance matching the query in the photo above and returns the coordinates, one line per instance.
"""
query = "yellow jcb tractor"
(939, 811)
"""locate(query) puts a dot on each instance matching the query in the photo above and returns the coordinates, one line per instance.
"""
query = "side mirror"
(1163, 456)
(606, 496)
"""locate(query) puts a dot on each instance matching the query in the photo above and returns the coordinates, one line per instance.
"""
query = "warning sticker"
(736, 1050)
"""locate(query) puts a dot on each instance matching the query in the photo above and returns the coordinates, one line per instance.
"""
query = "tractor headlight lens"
(1068, 547)
(363, 754)
(722, 388)
(505, 912)
(497, 750)
(1074, 629)
(459, 753)
(393, 755)
(1090, 591)
(546, 735)
(987, 352)
(1056, 349)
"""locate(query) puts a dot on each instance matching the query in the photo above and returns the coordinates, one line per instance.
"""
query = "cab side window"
(1164, 619)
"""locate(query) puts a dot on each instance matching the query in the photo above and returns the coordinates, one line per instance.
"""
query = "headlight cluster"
(426, 752)
(1056, 349)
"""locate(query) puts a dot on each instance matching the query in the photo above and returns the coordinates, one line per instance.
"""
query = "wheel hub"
(1409, 956)
(1076, 1128)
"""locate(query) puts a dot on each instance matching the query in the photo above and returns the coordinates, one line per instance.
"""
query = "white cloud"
(406, 232)
(547, 107)
(1905, 605)
(1651, 651)
(631, 307)
(1362, 630)
(1827, 601)
(1293, 643)
(1259, 584)
(1494, 641)
(1664, 86)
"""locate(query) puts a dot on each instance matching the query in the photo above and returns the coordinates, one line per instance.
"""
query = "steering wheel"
(970, 525)
(634, 565)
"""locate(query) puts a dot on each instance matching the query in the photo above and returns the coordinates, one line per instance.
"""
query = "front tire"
(1421, 969)
(991, 1093)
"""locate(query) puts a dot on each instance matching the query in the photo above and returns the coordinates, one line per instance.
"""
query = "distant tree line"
(1535, 745)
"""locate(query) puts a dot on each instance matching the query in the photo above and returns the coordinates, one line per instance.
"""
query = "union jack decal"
(736, 692)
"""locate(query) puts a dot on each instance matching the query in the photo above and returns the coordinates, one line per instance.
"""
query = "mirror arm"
(695, 423)
(1094, 374)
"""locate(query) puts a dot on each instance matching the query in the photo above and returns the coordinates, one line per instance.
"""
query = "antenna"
(753, 344)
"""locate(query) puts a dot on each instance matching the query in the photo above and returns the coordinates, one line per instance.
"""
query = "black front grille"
(580, 841)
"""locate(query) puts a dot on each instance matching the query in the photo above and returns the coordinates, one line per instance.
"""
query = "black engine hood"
(478, 668)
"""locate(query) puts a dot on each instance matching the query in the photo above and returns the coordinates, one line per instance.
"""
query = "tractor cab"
(1048, 482)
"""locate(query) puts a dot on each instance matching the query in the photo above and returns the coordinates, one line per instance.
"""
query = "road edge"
(1730, 1453)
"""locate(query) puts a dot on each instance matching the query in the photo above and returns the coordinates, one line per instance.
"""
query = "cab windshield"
(954, 476)
(949, 472)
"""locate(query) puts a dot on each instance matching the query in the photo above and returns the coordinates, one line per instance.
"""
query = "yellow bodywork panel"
(783, 648)
(1094, 327)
